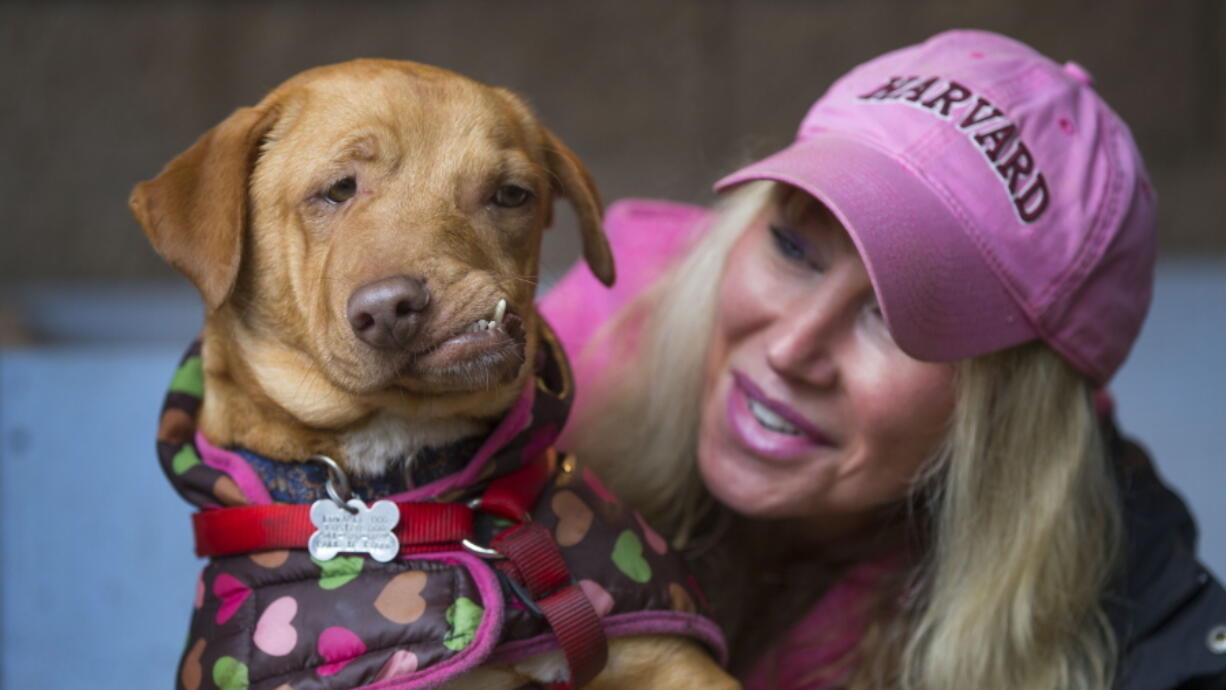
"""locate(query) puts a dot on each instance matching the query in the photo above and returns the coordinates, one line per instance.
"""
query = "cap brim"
(941, 299)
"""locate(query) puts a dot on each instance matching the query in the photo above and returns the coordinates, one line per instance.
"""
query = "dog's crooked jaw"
(485, 354)
(492, 347)
(500, 312)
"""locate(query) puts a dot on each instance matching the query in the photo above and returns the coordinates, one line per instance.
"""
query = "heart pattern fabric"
(281, 620)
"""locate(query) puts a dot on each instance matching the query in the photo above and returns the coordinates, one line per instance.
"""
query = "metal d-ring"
(481, 551)
(335, 473)
(475, 548)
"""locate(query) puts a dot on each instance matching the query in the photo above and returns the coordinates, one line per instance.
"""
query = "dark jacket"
(1169, 612)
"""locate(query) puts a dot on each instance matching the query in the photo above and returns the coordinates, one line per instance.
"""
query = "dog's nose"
(386, 313)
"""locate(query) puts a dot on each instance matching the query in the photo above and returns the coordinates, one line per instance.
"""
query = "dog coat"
(278, 618)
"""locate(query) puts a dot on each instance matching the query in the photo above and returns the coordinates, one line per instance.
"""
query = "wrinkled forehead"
(361, 112)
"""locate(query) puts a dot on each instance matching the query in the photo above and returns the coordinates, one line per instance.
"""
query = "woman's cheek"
(755, 282)
(902, 409)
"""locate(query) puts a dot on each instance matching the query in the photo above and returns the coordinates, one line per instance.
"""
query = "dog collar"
(210, 477)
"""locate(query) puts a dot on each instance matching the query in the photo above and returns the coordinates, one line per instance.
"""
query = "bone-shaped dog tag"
(368, 530)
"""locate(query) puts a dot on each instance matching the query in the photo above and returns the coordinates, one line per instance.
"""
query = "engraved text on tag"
(369, 530)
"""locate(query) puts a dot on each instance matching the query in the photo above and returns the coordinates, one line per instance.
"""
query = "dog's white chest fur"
(387, 438)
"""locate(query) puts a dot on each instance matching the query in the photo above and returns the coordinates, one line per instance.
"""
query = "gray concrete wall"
(659, 98)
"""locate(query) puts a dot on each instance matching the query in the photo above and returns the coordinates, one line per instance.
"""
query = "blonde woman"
(867, 394)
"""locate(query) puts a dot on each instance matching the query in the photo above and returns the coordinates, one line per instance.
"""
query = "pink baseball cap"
(994, 198)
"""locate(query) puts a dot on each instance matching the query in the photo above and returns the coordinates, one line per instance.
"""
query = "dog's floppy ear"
(195, 210)
(573, 181)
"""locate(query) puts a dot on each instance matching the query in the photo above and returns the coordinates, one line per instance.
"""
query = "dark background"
(659, 98)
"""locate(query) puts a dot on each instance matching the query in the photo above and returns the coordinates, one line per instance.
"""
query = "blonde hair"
(658, 395)
(1016, 515)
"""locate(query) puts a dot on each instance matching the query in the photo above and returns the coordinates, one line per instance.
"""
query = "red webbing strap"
(533, 552)
(580, 635)
(513, 496)
(535, 561)
(244, 529)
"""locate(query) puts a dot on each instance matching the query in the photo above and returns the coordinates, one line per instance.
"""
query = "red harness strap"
(513, 496)
(533, 560)
(229, 531)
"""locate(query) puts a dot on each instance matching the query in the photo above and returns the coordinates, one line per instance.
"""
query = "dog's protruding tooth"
(483, 325)
(500, 311)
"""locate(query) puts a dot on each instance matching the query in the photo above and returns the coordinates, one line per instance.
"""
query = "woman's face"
(810, 410)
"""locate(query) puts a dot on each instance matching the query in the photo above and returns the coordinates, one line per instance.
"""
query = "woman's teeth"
(770, 420)
(500, 311)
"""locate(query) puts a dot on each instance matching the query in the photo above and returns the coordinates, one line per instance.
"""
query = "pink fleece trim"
(256, 493)
(515, 422)
(625, 625)
(236, 467)
(483, 643)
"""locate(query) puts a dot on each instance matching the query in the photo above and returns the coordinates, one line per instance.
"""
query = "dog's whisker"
(309, 374)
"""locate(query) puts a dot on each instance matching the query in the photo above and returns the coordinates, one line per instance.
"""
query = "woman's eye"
(874, 319)
(787, 244)
(342, 190)
(510, 196)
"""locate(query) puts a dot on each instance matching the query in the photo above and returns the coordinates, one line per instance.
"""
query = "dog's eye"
(342, 190)
(510, 196)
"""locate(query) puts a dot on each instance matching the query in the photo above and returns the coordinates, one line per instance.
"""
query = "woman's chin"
(742, 484)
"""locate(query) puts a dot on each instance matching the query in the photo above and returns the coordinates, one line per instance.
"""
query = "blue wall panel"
(96, 570)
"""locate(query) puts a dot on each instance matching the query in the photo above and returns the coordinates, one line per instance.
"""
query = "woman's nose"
(802, 344)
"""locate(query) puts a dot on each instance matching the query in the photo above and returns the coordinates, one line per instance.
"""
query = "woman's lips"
(764, 441)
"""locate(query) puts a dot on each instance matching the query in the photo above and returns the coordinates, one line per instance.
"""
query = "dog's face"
(402, 208)
(371, 216)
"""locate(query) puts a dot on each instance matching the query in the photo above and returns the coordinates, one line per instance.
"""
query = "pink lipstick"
(768, 427)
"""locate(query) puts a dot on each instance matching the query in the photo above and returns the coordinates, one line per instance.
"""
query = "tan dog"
(349, 234)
